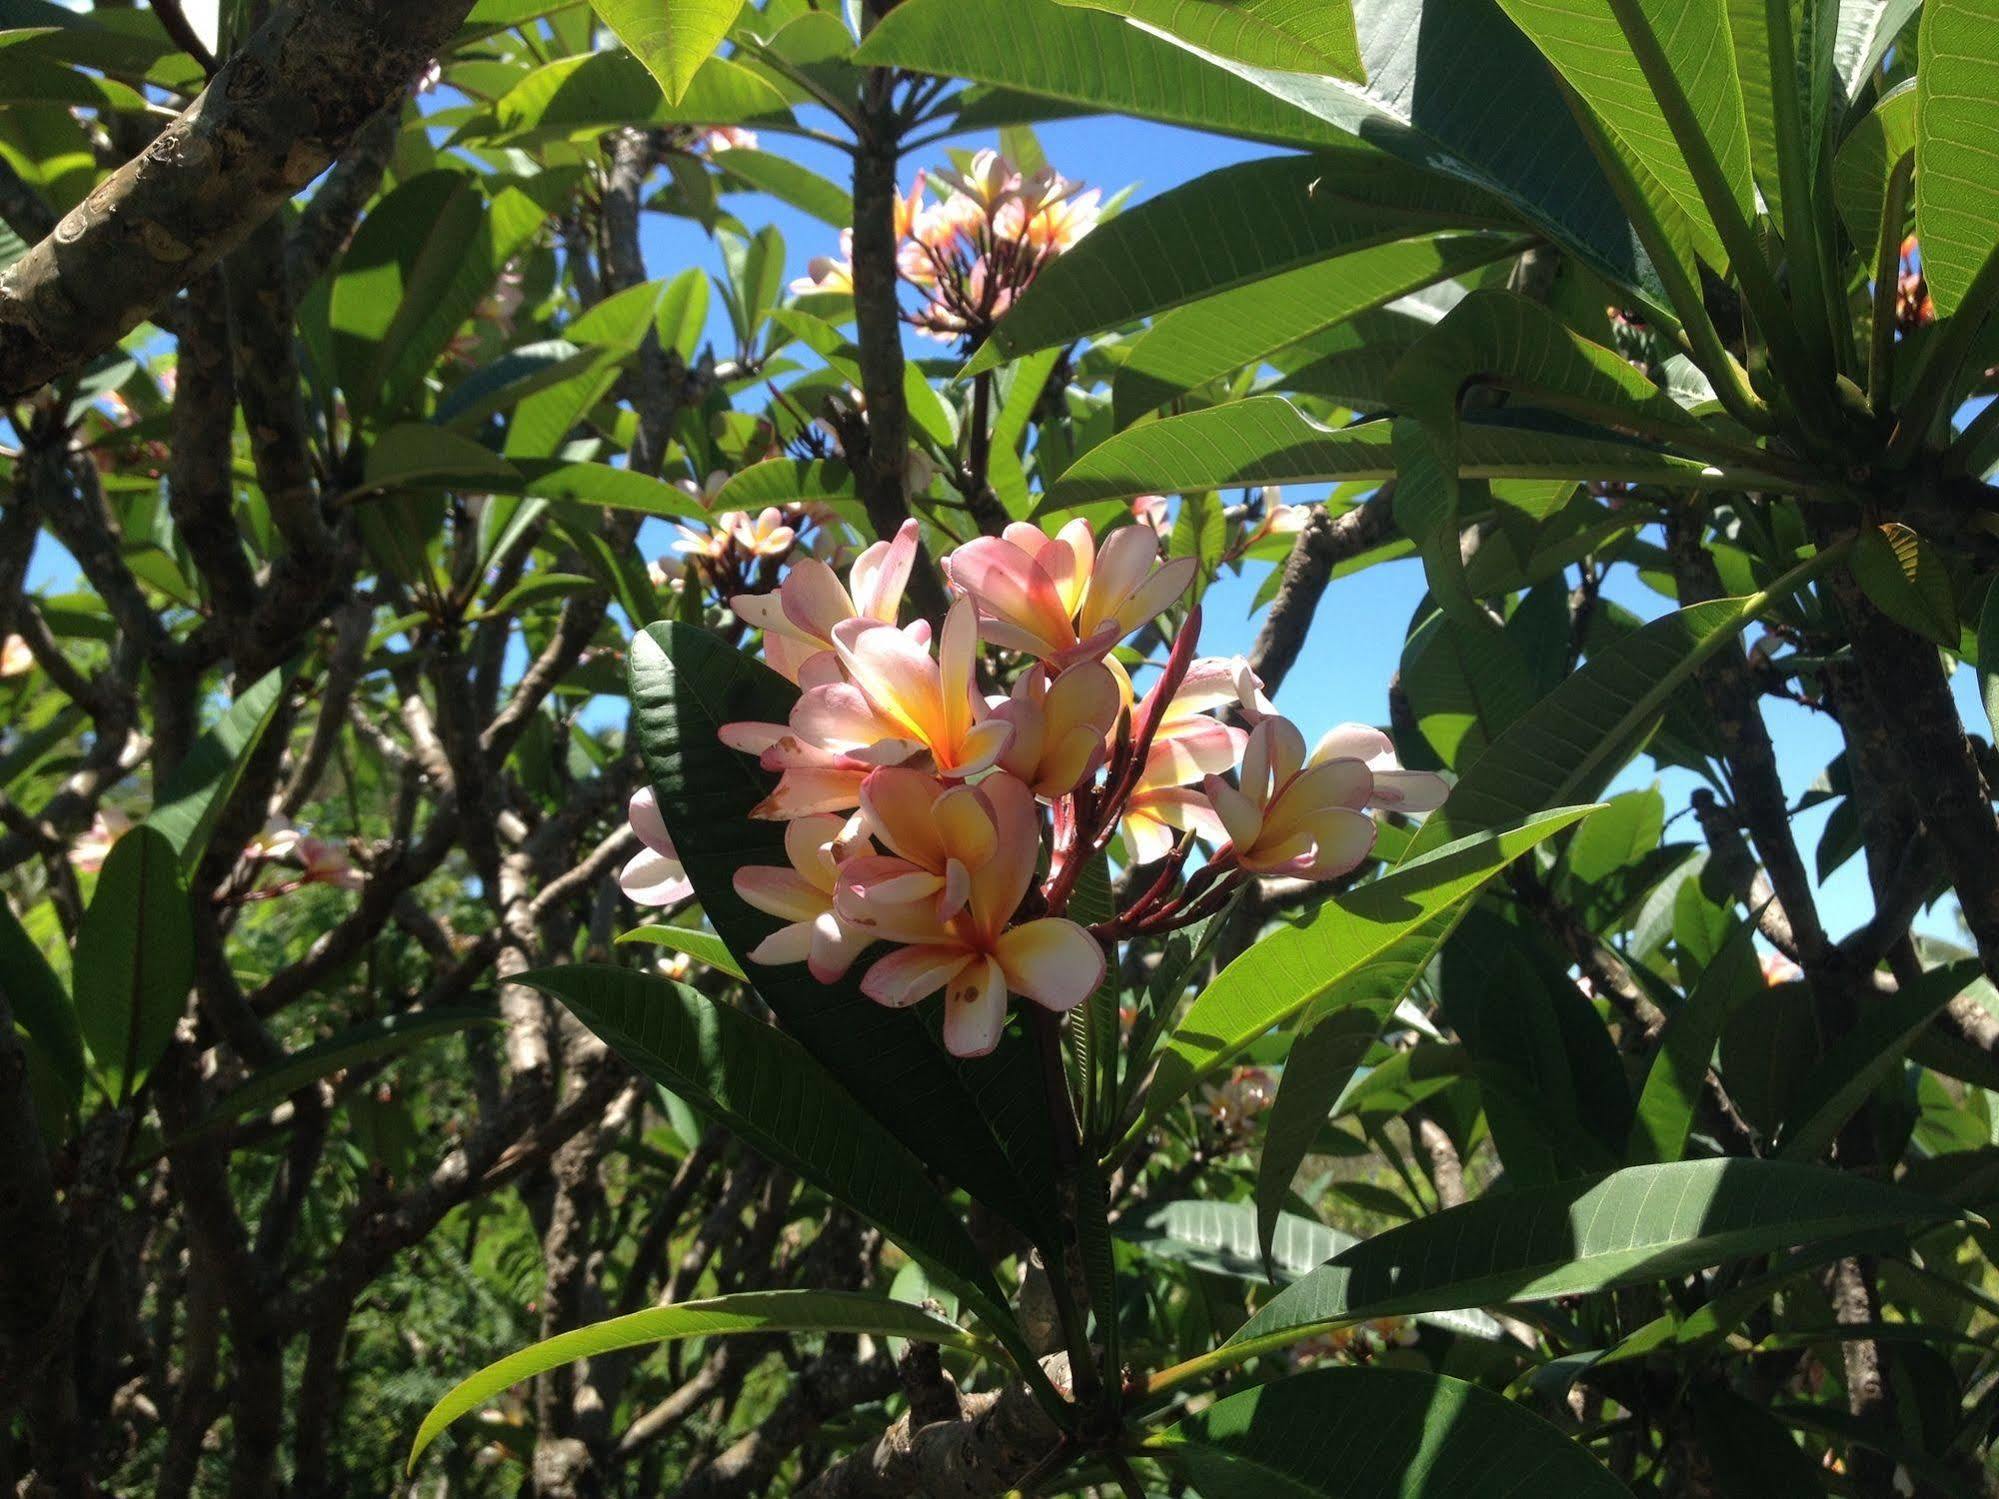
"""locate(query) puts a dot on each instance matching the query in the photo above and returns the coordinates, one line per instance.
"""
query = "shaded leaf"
(134, 960)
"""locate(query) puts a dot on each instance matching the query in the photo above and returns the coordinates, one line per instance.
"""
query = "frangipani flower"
(829, 273)
(1394, 788)
(938, 831)
(802, 897)
(324, 862)
(899, 702)
(799, 619)
(653, 876)
(15, 657)
(810, 779)
(1290, 818)
(720, 138)
(1059, 727)
(88, 853)
(975, 955)
(1063, 598)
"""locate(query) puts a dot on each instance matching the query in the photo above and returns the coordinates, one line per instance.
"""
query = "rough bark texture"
(274, 118)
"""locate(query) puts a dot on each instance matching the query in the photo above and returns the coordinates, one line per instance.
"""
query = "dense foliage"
(620, 881)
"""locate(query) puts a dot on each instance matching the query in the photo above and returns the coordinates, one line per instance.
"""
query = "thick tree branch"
(272, 119)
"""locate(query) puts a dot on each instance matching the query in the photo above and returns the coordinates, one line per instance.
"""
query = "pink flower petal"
(652, 879)
(1053, 962)
(1352, 741)
(788, 944)
(784, 893)
(813, 600)
(1410, 790)
(643, 811)
(975, 1009)
(913, 973)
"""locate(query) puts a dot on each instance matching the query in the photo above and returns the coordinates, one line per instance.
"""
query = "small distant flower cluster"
(1913, 307)
(1229, 1106)
(953, 822)
(974, 250)
(317, 861)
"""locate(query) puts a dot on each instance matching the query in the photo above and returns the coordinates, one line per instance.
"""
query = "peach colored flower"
(975, 955)
(1394, 788)
(88, 853)
(1059, 727)
(720, 138)
(1288, 818)
(1064, 598)
(653, 876)
(15, 658)
(802, 897)
(799, 618)
(810, 779)
(829, 273)
(899, 702)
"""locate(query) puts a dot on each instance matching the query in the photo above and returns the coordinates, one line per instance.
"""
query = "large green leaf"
(762, 1085)
(1084, 57)
(1498, 338)
(1378, 1433)
(1433, 98)
(193, 797)
(1300, 36)
(1333, 1038)
(983, 1123)
(1680, 121)
(720, 1316)
(1188, 242)
(601, 484)
(673, 38)
(40, 1004)
(1880, 139)
(1673, 1083)
(1636, 1225)
(1211, 337)
(1867, 29)
(417, 268)
(1856, 1062)
(1284, 973)
(1220, 1238)
(1957, 142)
(1267, 440)
(1581, 734)
(702, 947)
(600, 91)
(134, 960)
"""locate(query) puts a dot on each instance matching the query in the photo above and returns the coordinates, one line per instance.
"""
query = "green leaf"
(1084, 57)
(787, 481)
(134, 960)
(1907, 580)
(1188, 347)
(1751, 1453)
(1867, 29)
(1267, 440)
(788, 182)
(40, 1004)
(1582, 733)
(417, 268)
(673, 38)
(1957, 141)
(1638, 1225)
(1597, 46)
(720, 1316)
(1334, 1037)
(1857, 1061)
(1433, 102)
(983, 1122)
(1299, 36)
(1502, 339)
(1673, 1083)
(193, 797)
(762, 1085)
(371, 1040)
(703, 947)
(1378, 1433)
(598, 91)
(1291, 969)
(417, 454)
(926, 408)
(1988, 657)
(1880, 139)
(1189, 242)
(600, 484)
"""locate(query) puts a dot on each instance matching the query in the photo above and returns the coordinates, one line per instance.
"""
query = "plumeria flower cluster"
(976, 247)
(937, 824)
